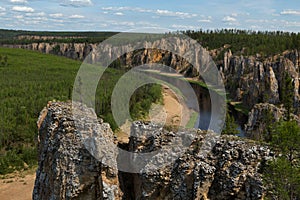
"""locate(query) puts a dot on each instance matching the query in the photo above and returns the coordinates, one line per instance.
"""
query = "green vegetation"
(192, 121)
(239, 107)
(26, 37)
(240, 41)
(10, 36)
(282, 175)
(286, 138)
(3, 61)
(287, 94)
(29, 82)
(282, 180)
(247, 42)
(230, 127)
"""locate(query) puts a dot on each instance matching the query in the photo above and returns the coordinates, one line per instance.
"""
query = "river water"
(202, 104)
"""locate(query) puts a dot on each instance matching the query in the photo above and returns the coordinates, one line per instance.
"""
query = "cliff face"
(76, 51)
(261, 115)
(68, 171)
(250, 79)
(228, 171)
(253, 80)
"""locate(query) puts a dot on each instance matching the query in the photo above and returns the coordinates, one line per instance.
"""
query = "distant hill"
(19, 36)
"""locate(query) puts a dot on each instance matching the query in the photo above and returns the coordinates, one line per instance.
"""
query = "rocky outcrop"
(263, 115)
(249, 79)
(131, 54)
(253, 80)
(76, 51)
(229, 171)
(67, 170)
(38, 37)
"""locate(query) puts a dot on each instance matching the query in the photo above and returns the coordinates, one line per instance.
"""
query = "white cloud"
(19, 16)
(22, 9)
(57, 20)
(18, 1)
(205, 20)
(186, 27)
(169, 13)
(76, 3)
(76, 17)
(136, 9)
(229, 19)
(125, 23)
(290, 12)
(119, 13)
(56, 15)
(158, 12)
(2, 9)
(39, 14)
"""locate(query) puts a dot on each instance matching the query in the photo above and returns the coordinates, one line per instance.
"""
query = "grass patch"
(192, 121)
(239, 107)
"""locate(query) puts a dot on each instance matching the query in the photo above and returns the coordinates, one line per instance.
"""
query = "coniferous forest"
(30, 79)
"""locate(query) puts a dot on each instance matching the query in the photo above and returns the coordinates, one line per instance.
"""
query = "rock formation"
(67, 170)
(250, 79)
(228, 171)
(262, 115)
(253, 80)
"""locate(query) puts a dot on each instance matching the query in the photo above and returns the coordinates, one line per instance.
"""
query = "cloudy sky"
(151, 16)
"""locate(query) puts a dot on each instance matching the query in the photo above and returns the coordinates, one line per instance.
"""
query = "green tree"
(287, 94)
(230, 127)
(286, 138)
(268, 121)
(282, 180)
(282, 175)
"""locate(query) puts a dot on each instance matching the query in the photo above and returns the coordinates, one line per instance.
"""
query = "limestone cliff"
(260, 116)
(250, 79)
(255, 80)
(67, 170)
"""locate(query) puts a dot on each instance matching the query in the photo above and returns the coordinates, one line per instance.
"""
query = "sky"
(149, 15)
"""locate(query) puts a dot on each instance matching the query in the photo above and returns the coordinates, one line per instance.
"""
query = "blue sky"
(149, 16)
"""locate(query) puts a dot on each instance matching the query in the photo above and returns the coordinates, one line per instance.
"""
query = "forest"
(241, 42)
(31, 79)
(245, 42)
(28, 81)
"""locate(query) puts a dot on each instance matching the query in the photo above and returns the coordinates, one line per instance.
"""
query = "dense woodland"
(29, 80)
(247, 42)
(244, 42)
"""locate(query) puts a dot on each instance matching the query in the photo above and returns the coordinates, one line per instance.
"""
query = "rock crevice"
(67, 170)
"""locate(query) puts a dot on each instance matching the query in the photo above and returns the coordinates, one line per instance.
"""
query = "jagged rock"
(272, 92)
(257, 123)
(67, 170)
(258, 79)
(229, 171)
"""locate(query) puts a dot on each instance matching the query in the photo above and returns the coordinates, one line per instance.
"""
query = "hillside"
(20, 36)
(28, 80)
